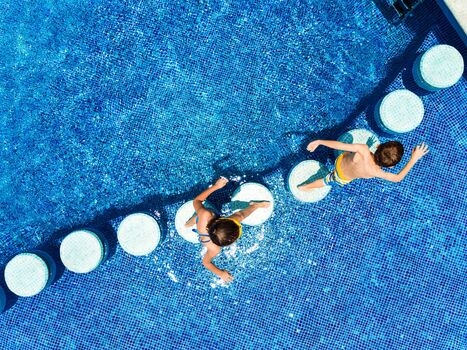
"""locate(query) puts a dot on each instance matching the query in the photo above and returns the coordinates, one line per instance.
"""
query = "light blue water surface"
(91, 90)
(113, 107)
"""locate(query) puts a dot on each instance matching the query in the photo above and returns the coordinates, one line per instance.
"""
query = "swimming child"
(216, 232)
(357, 162)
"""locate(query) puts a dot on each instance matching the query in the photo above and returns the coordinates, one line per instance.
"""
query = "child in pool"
(357, 162)
(216, 232)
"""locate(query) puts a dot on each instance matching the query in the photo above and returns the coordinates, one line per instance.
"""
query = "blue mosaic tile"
(112, 108)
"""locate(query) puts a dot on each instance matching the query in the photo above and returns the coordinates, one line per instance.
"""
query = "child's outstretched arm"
(199, 199)
(418, 152)
(244, 213)
(211, 252)
(349, 147)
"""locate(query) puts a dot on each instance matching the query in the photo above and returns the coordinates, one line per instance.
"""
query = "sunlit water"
(108, 108)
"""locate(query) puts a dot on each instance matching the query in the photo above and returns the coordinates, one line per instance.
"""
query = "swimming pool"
(114, 107)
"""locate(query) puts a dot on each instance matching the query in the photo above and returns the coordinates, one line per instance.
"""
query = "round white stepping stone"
(82, 251)
(139, 234)
(27, 274)
(439, 67)
(361, 136)
(308, 170)
(399, 112)
(184, 213)
(252, 191)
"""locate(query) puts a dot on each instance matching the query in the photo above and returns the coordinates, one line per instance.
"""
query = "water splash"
(217, 282)
(252, 248)
(172, 276)
(231, 251)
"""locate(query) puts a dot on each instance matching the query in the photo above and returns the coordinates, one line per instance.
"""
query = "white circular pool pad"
(82, 251)
(439, 67)
(139, 234)
(27, 274)
(307, 172)
(250, 192)
(362, 136)
(399, 112)
(184, 213)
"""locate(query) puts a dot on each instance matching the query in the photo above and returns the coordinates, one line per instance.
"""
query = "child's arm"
(213, 250)
(417, 153)
(211, 253)
(198, 201)
(244, 213)
(349, 147)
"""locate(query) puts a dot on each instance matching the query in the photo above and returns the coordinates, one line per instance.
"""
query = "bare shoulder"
(203, 212)
(361, 153)
(212, 250)
(204, 216)
(362, 149)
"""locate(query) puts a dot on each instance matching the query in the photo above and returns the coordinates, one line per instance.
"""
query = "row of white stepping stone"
(310, 170)
(401, 111)
(82, 251)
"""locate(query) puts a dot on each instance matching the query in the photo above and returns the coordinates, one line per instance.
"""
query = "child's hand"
(262, 204)
(226, 276)
(312, 145)
(419, 151)
(221, 182)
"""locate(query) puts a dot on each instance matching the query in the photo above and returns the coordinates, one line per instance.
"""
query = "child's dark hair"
(389, 154)
(223, 232)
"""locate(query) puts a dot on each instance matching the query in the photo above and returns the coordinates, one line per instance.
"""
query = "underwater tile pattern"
(112, 108)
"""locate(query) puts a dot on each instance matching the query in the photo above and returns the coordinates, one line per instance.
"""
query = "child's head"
(389, 153)
(224, 232)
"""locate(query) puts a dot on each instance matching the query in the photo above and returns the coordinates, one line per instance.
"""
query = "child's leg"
(312, 185)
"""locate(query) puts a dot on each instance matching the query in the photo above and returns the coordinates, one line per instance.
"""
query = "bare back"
(359, 164)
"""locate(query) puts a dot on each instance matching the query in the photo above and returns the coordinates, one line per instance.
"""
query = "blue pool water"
(112, 107)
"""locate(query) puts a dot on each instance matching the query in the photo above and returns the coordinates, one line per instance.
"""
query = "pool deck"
(456, 12)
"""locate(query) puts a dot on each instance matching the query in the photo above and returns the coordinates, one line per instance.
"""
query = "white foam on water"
(172, 276)
(252, 248)
(231, 250)
(260, 235)
(217, 282)
(203, 251)
(236, 178)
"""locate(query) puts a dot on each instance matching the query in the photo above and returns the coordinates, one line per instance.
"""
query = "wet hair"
(223, 232)
(389, 153)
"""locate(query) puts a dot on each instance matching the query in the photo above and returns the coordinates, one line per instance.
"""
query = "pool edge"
(456, 12)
